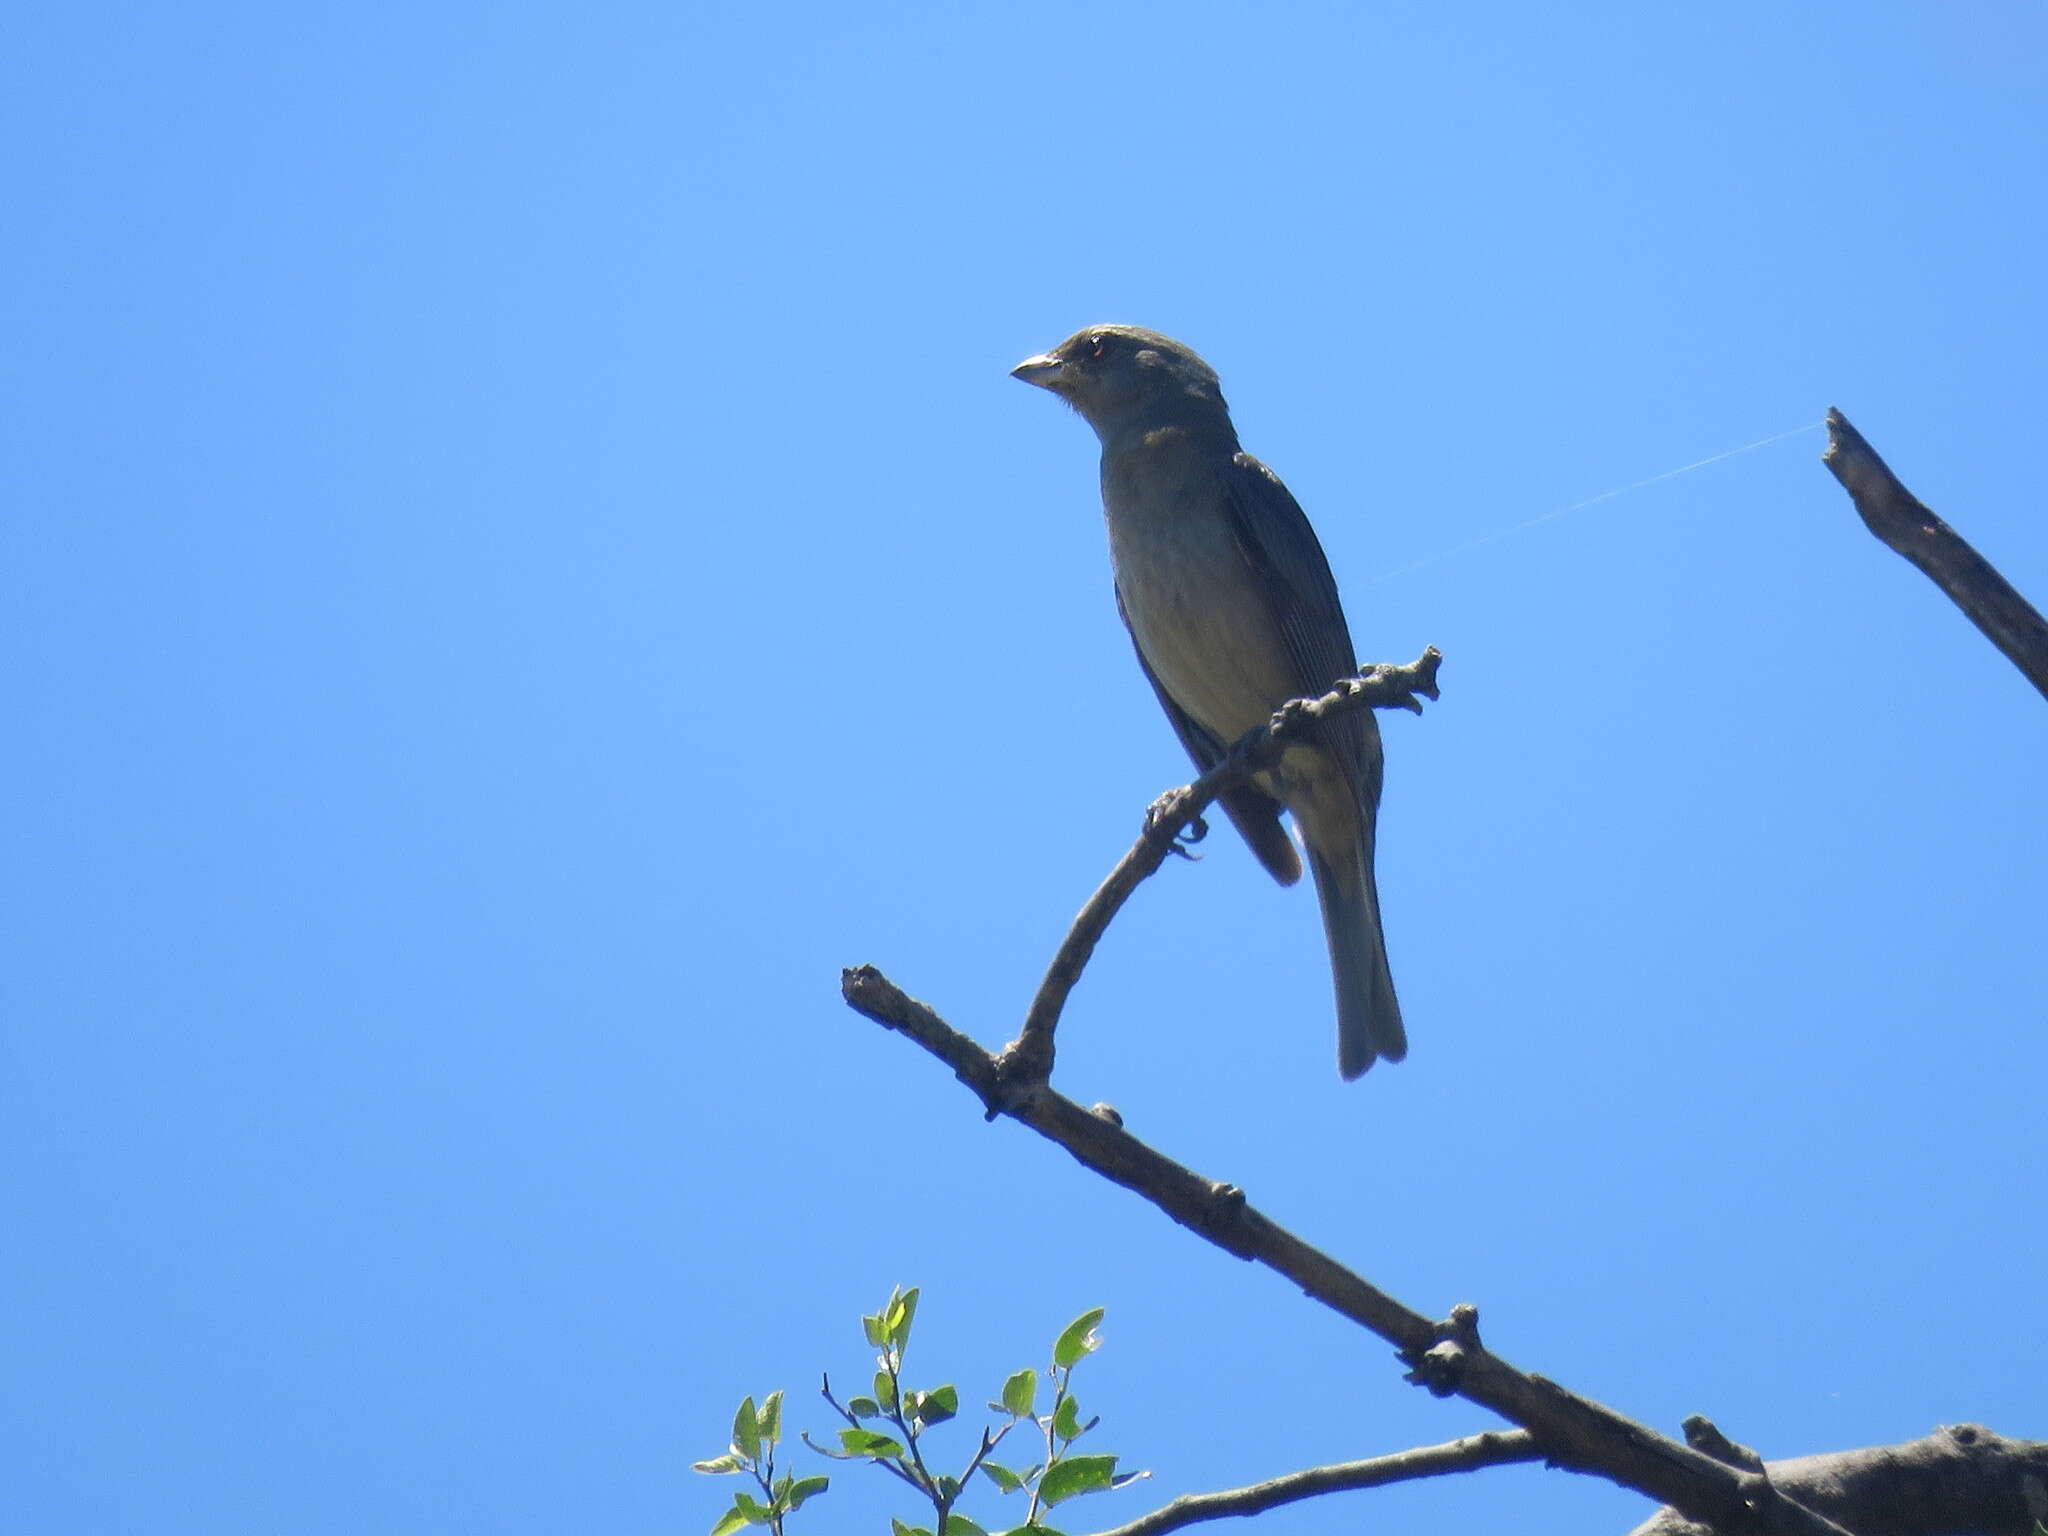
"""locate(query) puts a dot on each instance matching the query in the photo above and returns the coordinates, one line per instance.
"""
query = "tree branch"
(1028, 1059)
(1493, 1449)
(1574, 1432)
(1902, 522)
(1960, 1478)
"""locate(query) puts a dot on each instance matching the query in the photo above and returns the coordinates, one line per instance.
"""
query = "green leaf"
(877, 1334)
(804, 1487)
(757, 1513)
(902, 1311)
(1019, 1393)
(1076, 1475)
(1125, 1479)
(1066, 1419)
(898, 1528)
(1003, 1477)
(960, 1525)
(769, 1419)
(1035, 1529)
(885, 1390)
(1077, 1339)
(865, 1442)
(863, 1407)
(734, 1519)
(726, 1463)
(938, 1405)
(949, 1488)
(746, 1431)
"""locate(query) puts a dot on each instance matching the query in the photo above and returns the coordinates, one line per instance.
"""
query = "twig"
(1027, 1061)
(1902, 522)
(1574, 1432)
(890, 1467)
(1496, 1448)
(1703, 1434)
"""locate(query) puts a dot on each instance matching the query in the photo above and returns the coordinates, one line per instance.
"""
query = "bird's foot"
(1167, 808)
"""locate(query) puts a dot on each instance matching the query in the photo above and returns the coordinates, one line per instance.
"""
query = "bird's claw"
(1167, 808)
(1287, 717)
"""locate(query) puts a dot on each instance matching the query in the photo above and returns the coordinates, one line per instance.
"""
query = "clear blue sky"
(521, 560)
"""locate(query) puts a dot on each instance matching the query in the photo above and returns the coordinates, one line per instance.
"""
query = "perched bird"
(1233, 611)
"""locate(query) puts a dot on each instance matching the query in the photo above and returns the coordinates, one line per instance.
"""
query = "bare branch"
(1960, 1478)
(1902, 522)
(1493, 1449)
(1574, 1432)
(1028, 1059)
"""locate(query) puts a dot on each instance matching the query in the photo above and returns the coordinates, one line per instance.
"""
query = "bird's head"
(1123, 376)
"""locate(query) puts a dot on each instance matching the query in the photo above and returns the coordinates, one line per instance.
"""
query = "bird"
(1232, 609)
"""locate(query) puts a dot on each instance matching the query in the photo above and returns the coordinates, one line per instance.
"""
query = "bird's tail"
(1368, 1013)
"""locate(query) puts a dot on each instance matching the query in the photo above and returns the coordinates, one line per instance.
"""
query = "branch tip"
(1907, 526)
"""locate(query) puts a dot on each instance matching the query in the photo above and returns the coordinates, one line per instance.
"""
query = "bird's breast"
(1195, 607)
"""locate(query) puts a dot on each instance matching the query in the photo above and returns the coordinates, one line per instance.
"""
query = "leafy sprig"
(755, 1434)
(888, 1429)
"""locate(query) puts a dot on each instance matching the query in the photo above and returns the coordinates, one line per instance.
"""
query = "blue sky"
(523, 560)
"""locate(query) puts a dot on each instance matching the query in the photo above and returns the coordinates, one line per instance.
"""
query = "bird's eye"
(1098, 346)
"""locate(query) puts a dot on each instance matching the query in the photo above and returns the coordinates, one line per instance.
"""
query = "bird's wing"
(1280, 547)
(1255, 814)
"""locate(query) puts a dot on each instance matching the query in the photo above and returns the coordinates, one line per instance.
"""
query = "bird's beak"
(1043, 370)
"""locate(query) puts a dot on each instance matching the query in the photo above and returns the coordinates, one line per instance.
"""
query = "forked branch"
(1028, 1059)
(1447, 1357)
